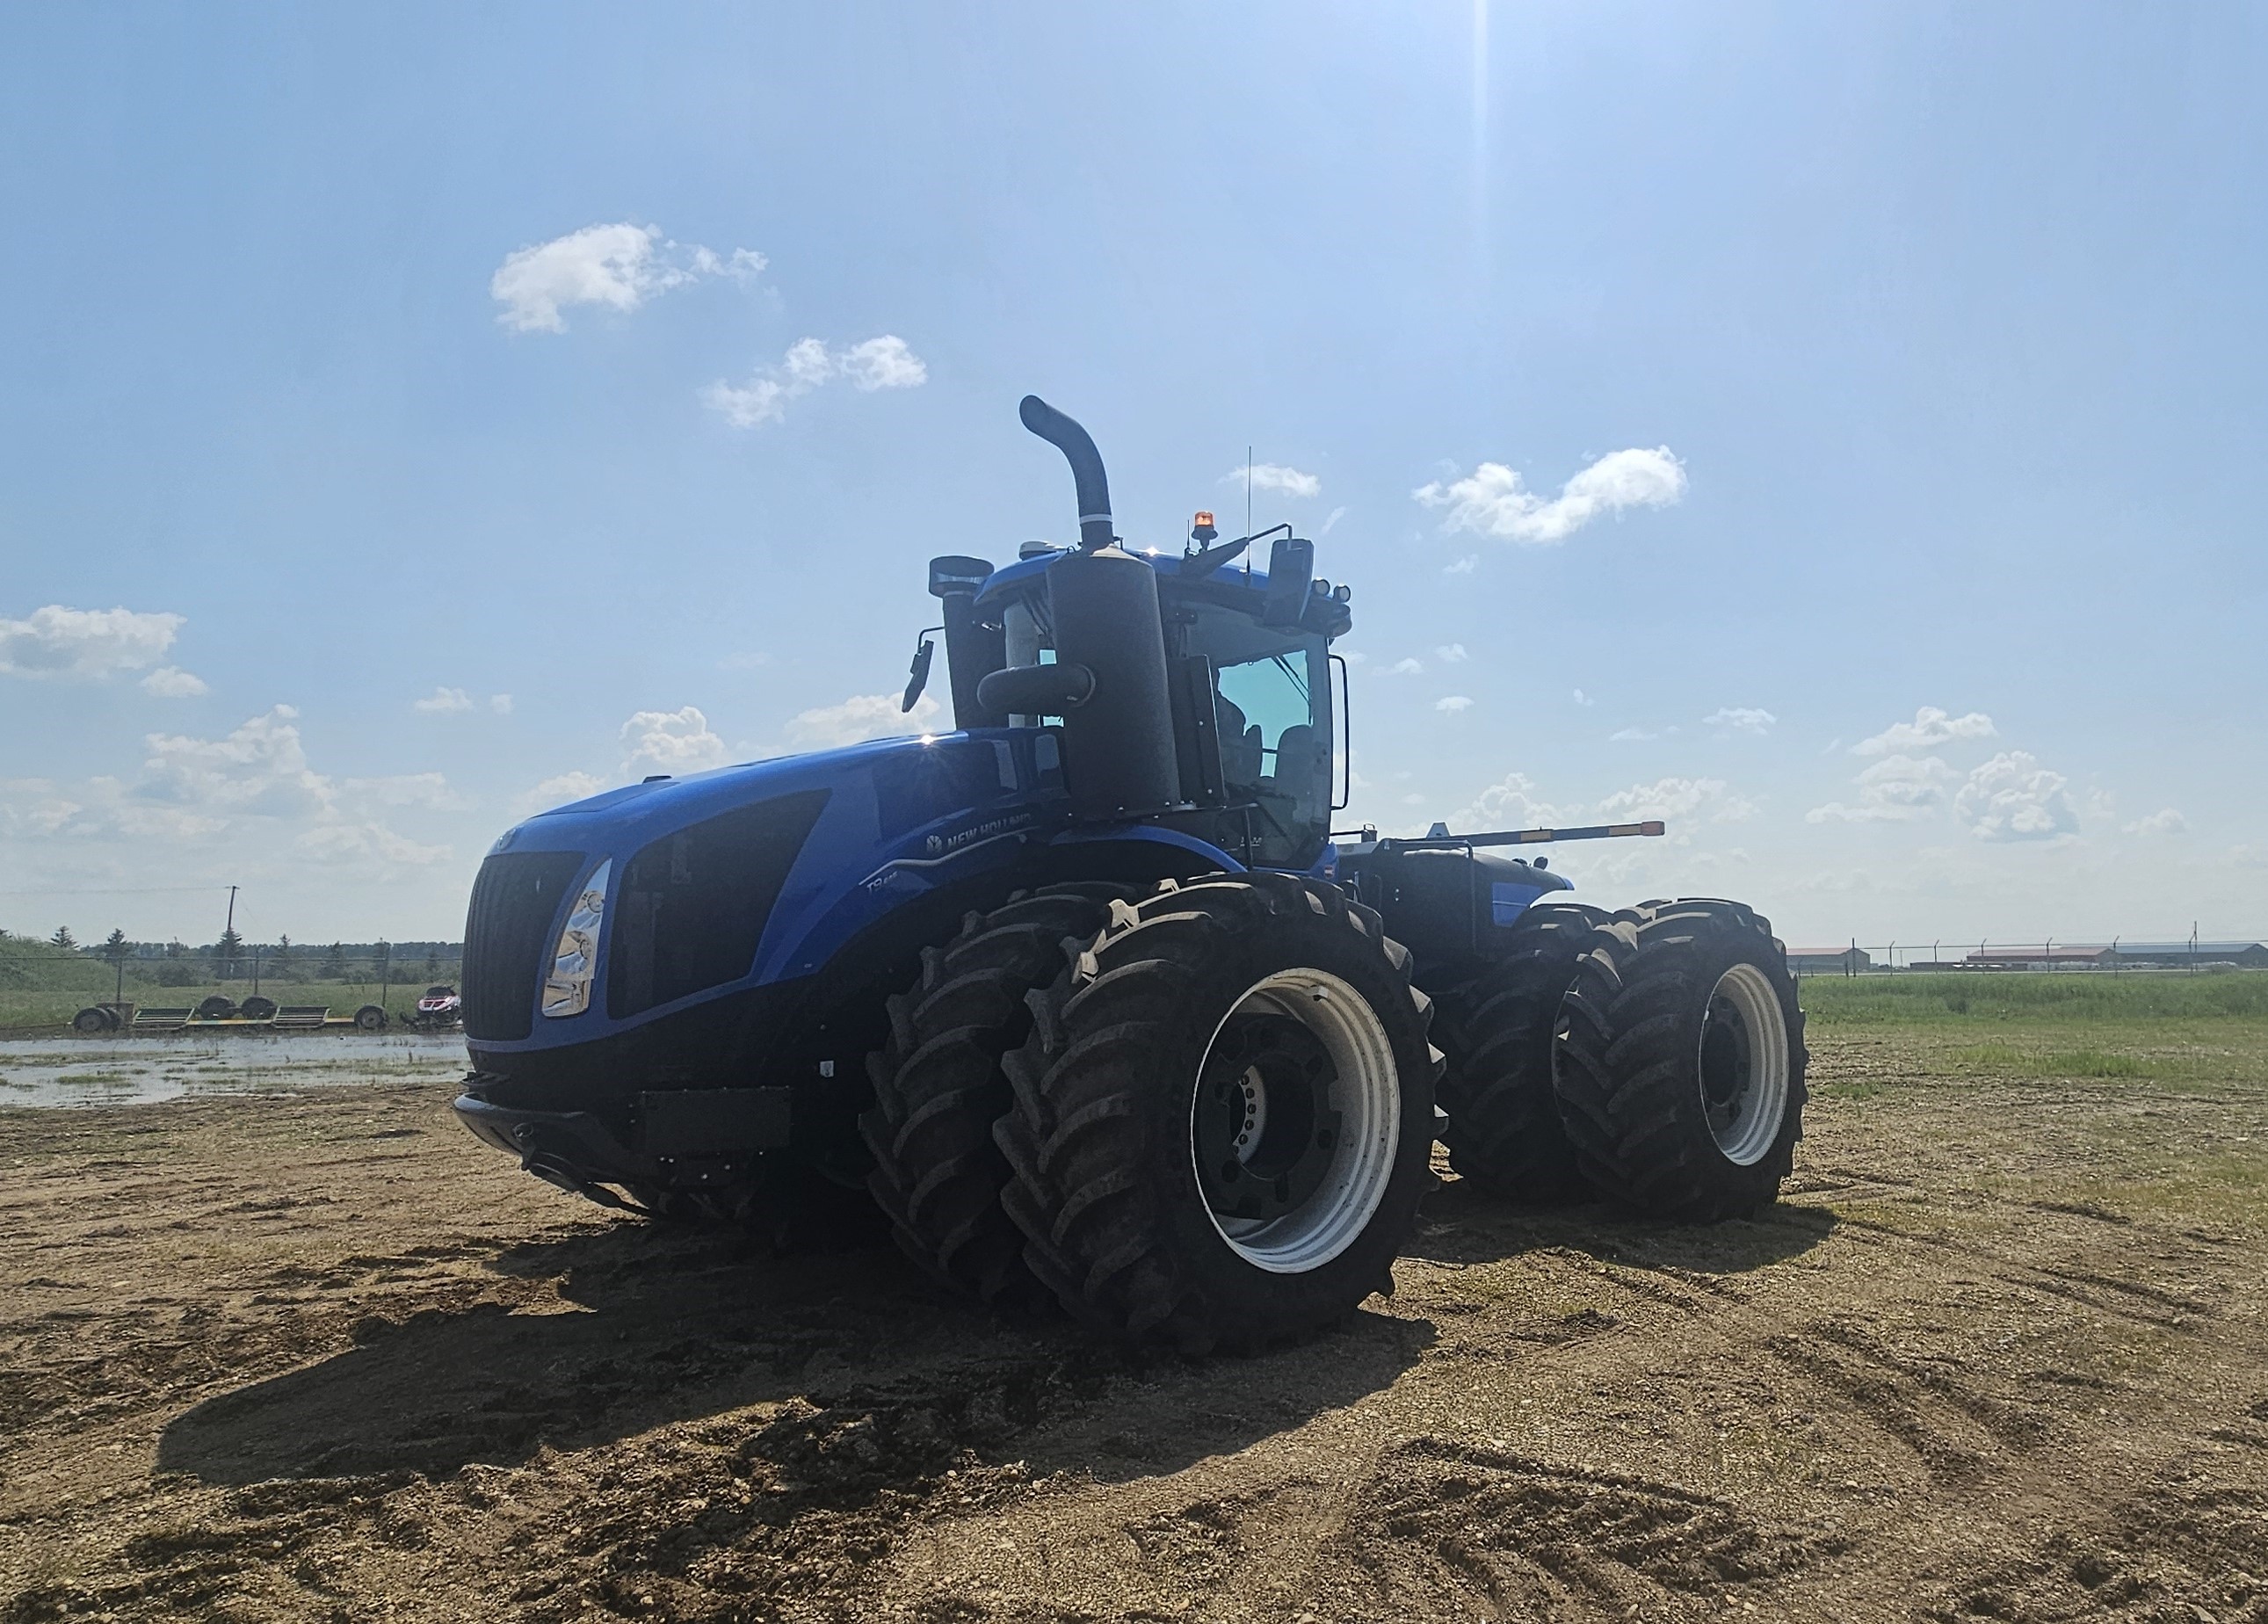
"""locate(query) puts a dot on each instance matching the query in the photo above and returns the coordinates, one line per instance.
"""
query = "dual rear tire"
(1653, 1056)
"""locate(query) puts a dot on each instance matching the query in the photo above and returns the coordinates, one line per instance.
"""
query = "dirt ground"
(2000, 1354)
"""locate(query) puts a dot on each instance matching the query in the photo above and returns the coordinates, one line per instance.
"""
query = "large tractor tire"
(939, 1087)
(1224, 1115)
(1681, 1072)
(1498, 1031)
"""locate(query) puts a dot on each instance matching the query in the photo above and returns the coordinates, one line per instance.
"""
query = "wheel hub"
(1265, 1129)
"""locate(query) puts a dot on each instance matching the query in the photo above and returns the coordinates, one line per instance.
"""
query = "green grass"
(2063, 999)
(2009, 1060)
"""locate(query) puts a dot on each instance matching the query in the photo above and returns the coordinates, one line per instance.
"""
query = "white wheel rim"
(1366, 1093)
(1743, 1064)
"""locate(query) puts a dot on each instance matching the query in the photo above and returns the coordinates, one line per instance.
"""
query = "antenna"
(1248, 503)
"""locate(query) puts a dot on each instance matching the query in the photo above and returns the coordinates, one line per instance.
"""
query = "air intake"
(692, 906)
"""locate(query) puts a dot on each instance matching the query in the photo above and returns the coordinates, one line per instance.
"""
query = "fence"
(2121, 955)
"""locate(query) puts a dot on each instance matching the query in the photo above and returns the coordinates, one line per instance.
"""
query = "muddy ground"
(2001, 1353)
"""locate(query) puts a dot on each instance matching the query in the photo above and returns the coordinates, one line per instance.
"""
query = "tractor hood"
(735, 878)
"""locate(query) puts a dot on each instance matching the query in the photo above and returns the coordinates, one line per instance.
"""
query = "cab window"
(1271, 704)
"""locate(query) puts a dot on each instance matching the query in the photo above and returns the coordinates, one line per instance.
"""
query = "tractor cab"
(1251, 686)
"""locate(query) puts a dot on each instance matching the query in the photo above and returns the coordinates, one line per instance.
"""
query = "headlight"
(575, 962)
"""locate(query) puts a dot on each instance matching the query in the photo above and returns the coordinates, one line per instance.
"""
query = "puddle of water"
(139, 1071)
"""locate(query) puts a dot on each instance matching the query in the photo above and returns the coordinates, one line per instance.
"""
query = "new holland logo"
(939, 845)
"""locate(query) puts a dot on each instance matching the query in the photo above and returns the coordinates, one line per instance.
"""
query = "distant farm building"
(2250, 954)
(1828, 961)
(2040, 956)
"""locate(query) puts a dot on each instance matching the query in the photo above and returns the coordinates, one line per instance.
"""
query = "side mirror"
(918, 676)
(1291, 576)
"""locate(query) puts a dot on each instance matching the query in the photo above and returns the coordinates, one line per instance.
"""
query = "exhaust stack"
(1078, 447)
(1119, 757)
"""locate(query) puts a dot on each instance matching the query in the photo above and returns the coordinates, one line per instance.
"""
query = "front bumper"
(674, 1138)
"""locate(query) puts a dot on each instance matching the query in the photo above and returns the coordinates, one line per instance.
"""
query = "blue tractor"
(1086, 996)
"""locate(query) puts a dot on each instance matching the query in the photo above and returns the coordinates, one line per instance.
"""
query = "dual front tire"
(1214, 1113)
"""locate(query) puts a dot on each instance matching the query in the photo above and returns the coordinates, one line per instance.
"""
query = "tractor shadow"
(861, 1375)
(1463, 1223)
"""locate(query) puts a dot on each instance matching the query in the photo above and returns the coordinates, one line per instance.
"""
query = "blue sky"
(1882, 382)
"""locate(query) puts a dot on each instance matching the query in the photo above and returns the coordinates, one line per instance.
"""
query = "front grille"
(508, 938)
(692, 906)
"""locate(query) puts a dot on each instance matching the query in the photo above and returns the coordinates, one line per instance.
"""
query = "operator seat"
(1296, 778)
(1240, 754)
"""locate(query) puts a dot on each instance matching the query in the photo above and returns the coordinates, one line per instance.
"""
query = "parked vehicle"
(1087, 993)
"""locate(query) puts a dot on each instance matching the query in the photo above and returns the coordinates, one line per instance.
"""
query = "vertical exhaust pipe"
(1120, 761)
(1078, 447)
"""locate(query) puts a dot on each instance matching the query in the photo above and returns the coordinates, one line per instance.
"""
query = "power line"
(117, 890)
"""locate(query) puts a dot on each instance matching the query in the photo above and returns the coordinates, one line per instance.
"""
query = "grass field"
(2198, 1032)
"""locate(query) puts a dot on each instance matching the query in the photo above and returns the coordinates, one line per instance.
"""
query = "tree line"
(232, 958)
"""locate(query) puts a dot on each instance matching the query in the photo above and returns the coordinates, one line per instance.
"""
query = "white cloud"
(1896, 789)
(1930, 727)
(1465, 565)
(559, 792)
(2012, 797)
(501, 704)
(883, 362)
(1278, 477)
(2165, 821)
(1740, 719)
(1453, 704)
(672, 741)
(1674, 798)
(1403, 668)
(1337, 513)
(2248, 856)
(443, 701)
(618, 267)
(261, 767)
(339, 842)
(172, 682)
(430, 790)
(250, 798)
(1450, 654)
(1631, 735)
(862, 717)
(1583, 698)
(1491, 500)
(60, 642)
(1511, 804)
